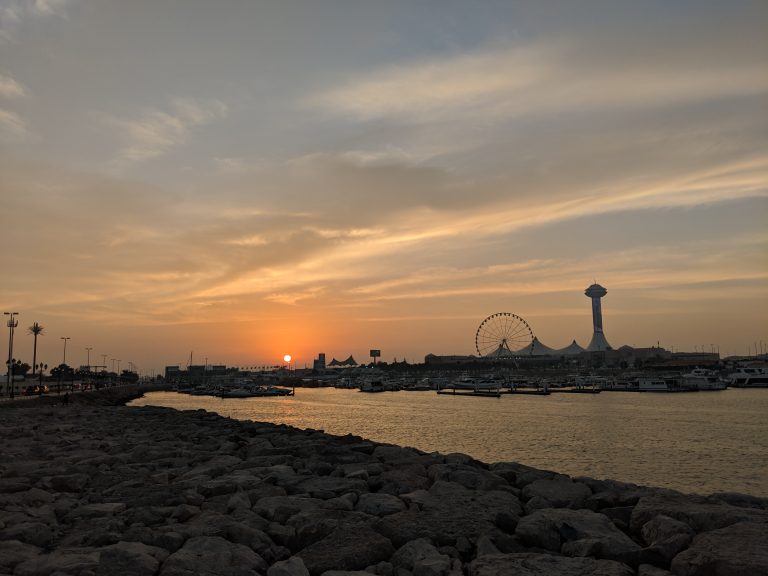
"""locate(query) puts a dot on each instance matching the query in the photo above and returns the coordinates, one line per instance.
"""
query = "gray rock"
(421, 558)
(326, 487)
(346, 548)
(662, 527)
(345, 502)
(584, 532)
(239, 500)
(451, 511)
(213, 556)
(35, 533)
(314, 525)
(485, 546)
(379, 504)
(699, 513)
(280, 508)
(130, 559)
(293, 566)
(96, 510)
(666, 536)
(560, 492)
(65, 560)
(651, 570)
(348, 573)
(69, 482)
(400, 480)
(528, 564)
(468, 476)
(736, 550)
(13, 552)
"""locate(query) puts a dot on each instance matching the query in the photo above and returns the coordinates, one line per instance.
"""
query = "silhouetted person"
(66, 399)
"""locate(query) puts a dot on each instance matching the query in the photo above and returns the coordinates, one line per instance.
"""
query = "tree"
(36, 330)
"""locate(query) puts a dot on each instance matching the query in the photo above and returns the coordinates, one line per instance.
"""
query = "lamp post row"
(13, 324)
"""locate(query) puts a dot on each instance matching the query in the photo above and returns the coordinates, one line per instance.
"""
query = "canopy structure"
(343, 363)
(538, 349)
(571, 350)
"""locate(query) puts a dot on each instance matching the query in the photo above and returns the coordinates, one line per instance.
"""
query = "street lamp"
(12, 323)
(65, 338)
(88, 350)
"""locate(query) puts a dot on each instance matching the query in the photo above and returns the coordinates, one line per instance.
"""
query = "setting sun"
(287, 358)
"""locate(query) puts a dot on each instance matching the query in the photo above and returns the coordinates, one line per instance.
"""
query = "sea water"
(700, 442)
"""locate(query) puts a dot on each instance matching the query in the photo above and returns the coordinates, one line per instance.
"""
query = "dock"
(576, 390)
(460, 392)
(528, 392)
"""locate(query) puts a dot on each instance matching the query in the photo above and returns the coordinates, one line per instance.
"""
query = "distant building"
(319, 363)
(598, 343)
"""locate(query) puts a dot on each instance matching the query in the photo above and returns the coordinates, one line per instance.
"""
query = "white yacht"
(749, 377)
(701, 379)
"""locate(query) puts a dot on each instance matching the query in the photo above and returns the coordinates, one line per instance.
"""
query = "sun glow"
(287, 358)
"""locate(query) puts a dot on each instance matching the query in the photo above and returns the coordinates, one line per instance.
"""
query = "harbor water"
(701, 442)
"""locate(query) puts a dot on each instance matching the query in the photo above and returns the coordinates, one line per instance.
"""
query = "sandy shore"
(97, 488)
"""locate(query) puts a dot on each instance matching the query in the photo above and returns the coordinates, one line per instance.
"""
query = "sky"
(238, 180)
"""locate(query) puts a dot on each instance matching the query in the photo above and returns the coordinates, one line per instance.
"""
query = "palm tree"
(36, 330)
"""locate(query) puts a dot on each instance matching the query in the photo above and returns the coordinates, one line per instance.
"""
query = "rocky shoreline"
(95, 488)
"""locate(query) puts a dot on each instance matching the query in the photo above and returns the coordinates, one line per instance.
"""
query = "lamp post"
(88, 350)
(65, 338)
(12, 323)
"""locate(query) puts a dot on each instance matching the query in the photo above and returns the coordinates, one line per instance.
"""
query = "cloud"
(14, 12)
(546, 77)
(437, 87)
(12, 123)
(10, 88)
(156, 132)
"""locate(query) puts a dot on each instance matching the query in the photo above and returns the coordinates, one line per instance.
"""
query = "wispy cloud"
(545, 77)
(12, 123)
(14, 12)
(10, 88)
(156, 132)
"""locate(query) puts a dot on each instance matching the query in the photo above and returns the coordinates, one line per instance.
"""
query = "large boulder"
(13, 552)
(737, 550)
(422, 558)
(213, 556)
(699, 513)
(528, 564)
(559, 492)
(326, 487)
(377, 504)
(63, 560)
(293, 566)
(346, 548)
(280, 508)
(130, 559)
(576, 533)
(448, 511)
(666, 537)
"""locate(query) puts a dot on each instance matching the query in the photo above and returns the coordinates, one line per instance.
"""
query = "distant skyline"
(251, 179)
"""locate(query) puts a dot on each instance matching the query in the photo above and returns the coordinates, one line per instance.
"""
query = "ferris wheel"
(503, 335)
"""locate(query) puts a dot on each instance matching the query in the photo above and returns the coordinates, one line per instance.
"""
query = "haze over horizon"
(249, 179)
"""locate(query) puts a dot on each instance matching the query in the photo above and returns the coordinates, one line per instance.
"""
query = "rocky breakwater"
(95, 490)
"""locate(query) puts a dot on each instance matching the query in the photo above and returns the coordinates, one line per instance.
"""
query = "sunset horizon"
(245, 181)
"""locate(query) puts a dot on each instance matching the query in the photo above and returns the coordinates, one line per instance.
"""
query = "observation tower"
(598, 342)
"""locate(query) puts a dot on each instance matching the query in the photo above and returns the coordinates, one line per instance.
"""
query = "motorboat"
(702, 379)
(749, 377)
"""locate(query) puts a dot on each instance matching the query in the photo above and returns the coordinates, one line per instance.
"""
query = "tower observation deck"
(598, 342)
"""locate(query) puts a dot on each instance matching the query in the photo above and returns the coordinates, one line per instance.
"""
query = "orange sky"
(383, 176)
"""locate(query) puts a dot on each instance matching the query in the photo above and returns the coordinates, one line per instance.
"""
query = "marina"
(695, 442)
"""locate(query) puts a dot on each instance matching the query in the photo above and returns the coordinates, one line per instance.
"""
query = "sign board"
(375, 353)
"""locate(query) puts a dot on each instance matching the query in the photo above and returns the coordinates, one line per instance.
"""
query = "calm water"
(700, 442)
